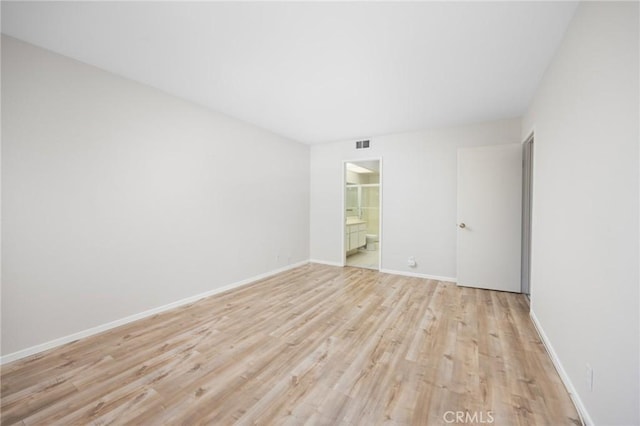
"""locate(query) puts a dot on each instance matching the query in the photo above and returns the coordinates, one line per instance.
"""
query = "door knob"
(462, 225)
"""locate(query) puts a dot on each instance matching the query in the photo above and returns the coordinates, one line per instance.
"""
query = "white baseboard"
(325, 262)
(99, 329)
(393, 272)
(582, 410)
(417, 275)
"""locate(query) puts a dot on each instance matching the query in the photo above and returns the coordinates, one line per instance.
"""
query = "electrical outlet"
(411, 261)
(588, 377)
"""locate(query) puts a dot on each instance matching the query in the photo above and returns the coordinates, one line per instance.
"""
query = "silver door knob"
(462, 225)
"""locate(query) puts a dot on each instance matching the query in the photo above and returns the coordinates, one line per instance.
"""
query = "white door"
(489, 217)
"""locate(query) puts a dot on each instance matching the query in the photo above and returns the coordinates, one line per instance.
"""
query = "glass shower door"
(351, 202)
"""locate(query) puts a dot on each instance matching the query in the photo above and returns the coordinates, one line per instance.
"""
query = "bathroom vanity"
(355, 234)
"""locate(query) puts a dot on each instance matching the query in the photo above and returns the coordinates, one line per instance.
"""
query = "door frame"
(527, 213)
(343, 224)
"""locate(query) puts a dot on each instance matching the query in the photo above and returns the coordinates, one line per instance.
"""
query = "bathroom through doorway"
(362, 213)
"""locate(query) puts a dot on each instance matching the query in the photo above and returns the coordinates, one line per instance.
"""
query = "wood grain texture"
(314, 345)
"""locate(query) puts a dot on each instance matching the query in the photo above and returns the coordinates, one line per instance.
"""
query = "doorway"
(527, 198)
(362, 213)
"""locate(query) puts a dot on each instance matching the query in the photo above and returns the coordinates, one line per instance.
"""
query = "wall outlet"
(588, 377)
(411, 261)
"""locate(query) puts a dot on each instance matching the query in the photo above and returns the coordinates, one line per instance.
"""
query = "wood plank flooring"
(314, 345)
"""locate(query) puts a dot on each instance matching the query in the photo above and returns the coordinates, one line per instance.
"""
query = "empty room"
(320, 213)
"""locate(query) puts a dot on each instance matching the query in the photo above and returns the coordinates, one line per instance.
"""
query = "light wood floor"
(315, 345)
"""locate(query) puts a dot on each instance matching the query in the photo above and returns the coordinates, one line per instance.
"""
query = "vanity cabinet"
(355, 235)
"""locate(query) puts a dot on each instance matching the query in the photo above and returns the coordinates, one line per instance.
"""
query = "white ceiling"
(315, 72)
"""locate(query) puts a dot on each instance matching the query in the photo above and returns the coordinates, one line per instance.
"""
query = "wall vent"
(362, 144)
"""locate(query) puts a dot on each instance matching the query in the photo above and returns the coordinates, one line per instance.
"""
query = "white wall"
(118, 198)
(585, 208)
(418, 191)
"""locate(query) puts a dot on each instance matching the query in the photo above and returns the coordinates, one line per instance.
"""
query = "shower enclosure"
(363, 202)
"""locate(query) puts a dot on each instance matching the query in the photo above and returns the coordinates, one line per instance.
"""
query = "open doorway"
(362, 213)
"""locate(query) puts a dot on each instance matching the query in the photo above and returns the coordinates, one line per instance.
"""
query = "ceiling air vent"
(362, 144)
